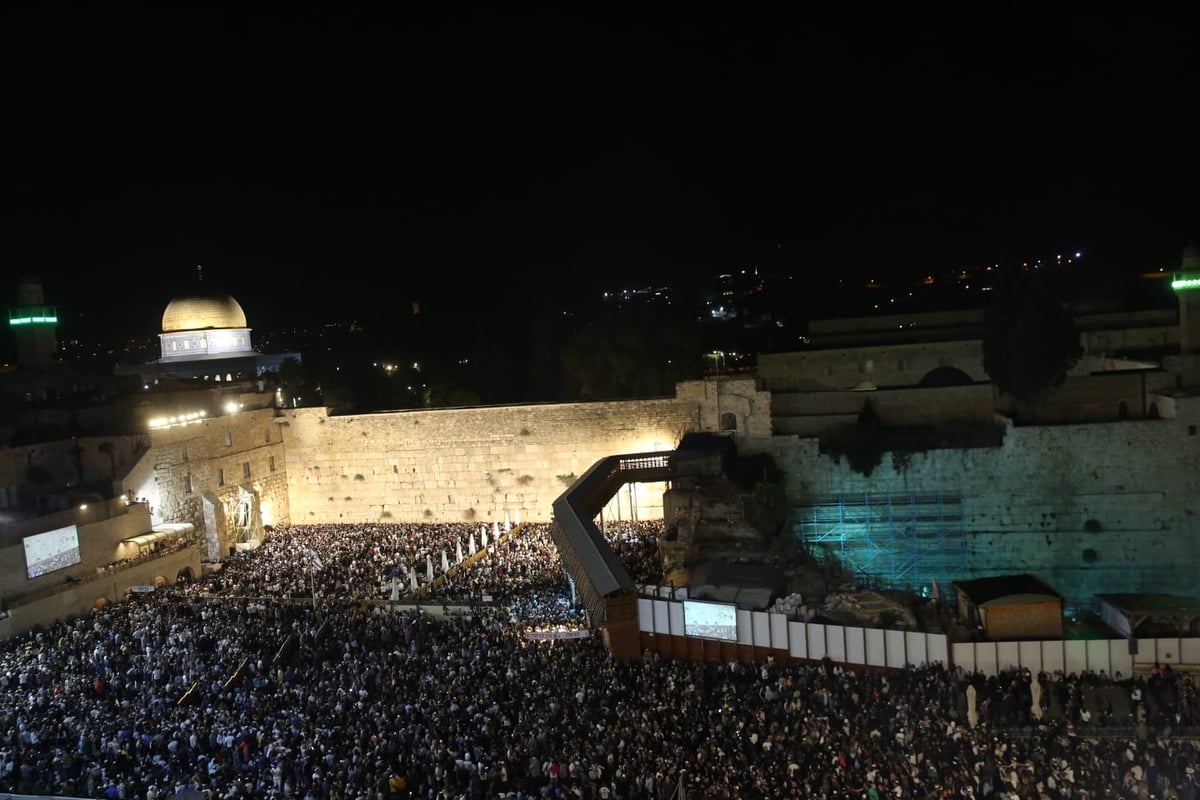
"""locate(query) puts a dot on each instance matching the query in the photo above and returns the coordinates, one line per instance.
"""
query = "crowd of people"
(290, 675)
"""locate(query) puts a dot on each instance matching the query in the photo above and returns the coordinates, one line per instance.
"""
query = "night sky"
(328, 161)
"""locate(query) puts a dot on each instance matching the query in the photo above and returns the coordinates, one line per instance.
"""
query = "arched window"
(728, 421)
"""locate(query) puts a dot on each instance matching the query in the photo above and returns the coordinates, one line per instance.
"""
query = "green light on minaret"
(40, 315)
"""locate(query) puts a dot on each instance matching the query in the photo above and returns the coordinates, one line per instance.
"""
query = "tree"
(106, 447)
(1029, 338)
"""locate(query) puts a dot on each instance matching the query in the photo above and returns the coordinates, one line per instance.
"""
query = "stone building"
(1094, 494)
(205, 338)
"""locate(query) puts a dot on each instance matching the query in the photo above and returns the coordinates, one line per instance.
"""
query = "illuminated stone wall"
(197, 473)
(479, 464)
(1089, 509)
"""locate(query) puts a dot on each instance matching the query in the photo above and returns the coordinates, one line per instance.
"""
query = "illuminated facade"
(205, 338)
(202, 325)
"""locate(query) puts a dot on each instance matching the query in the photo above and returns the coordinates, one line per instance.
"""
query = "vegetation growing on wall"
(1030, 341)
(762, 480)
(864, 442)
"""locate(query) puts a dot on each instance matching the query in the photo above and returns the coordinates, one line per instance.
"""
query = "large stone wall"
(197, 473)
(1097, 508)
(1087, 508)
(467, 464)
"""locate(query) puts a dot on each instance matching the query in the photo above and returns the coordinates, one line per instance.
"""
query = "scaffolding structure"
(911, 542)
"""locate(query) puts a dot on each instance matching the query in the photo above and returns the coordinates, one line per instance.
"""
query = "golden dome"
(200, 311)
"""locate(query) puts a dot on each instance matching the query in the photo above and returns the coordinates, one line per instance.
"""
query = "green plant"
(359, 477)
(385, 515)
(1089, 556)
(901, 460)
(568, 479)
(428, 513)
(525, 480)
(524, 431)
(469, 514)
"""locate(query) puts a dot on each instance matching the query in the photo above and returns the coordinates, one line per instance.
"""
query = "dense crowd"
(240, 687)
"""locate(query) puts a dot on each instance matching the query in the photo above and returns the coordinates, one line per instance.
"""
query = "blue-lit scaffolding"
(888, 541)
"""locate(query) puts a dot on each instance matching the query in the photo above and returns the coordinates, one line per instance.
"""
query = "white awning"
(168, 531)
(147, 538)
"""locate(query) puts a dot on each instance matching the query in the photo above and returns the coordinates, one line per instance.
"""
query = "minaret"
(1187, 289)
(33, 324)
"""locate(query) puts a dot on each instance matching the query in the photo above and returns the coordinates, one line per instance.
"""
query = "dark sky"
(338, 160)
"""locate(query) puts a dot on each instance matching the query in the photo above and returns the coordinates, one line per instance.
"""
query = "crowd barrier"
(768, 633)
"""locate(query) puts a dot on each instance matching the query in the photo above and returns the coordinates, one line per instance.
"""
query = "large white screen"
(710, 620)
(51, 550)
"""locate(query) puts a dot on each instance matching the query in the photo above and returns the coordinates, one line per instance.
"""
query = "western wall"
(1096, 508)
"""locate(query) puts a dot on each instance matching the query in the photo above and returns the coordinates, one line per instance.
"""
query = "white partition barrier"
(676, 619)
(1075, 653)
(797, 639)
(893, 643)
(1008, 655)
(645, 615)
(662, 616)
(779, 631)
(745, 627)
(856, 646)
(1120, 660)
(964, 655)
(914, 648)
(1029, 655)
(1097, 656)
(835, 643)
(1053, 657)
(985, 658)
(937, 649)
(816, 640)
(762, 628)
(1167, 650)
(876, 648)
